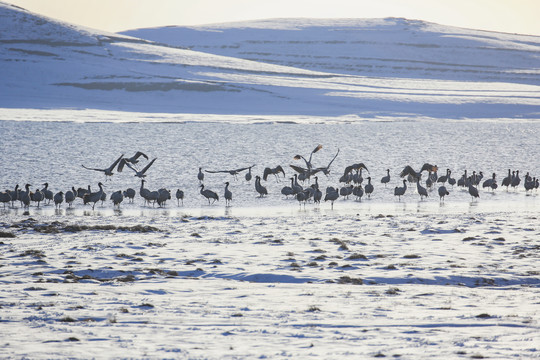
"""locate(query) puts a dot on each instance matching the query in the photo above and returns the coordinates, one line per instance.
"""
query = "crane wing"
(407, 170)
(267, 171)
(428, 167)
(87, 168)
(110, 168)
(298, 169)
(138, 155)
(148, 166)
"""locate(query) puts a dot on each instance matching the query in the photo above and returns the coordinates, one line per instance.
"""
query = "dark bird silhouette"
(473, 191)
(47, 193)
(386, 179)
(163, 196)
(132, 160)
(179, 196)
(142, 173)
(248, 174)
(200, 176)
(331, 195)
(233, 172)
(507, 180)
(421, 190)
(117, 197)
(58, 198)
(108, 171)
(144, 192)
(274, 171)
(490, 183)
(326, 169)
(70, 196)
(135, 158)
(400, 191)
(444, 178)
(209, 194)
(94, 197)
(24, 196)
(442, 192)
(515, 180)
(415, 175)
(14, 195)
(227, 195)
(369, 187)
(259, 188)
(130, 194)
(307, 172)
(5, 197)
(38, 197)
(357, 167)
(288, 190)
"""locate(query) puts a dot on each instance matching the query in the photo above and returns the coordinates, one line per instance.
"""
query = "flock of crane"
(351, 179)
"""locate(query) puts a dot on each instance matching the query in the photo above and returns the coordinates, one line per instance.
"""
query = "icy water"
(53, 152)
(266, 277)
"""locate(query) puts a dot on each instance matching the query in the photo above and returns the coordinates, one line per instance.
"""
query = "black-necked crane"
(70, 196)
(331, 195)
(515, 180)
(399, 191)
(179, 196)
(5, 197)
(386, 179)
(369, 187)
(308, 171)
(442, 192)
(163, 196)
(209, 194)
(200, 176)
(108, 171)
(227, 195)
(489, 183)
(47, 193)
(130, 194)
(38, 197)
(273, 171)
(24, 196)
(233, 172)
(444, 178)
(413, 175)
(473, 191)
(142, 173)
(58, 199)
(135, 158)
(507, 180)
(259, 188)
(288, 190)
(94, 197)
(117, 197)
(421, 190)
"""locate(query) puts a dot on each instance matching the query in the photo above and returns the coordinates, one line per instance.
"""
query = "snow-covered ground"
(313, 285)
(268, 277)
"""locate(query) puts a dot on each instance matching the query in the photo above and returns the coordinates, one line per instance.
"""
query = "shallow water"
(53, 152)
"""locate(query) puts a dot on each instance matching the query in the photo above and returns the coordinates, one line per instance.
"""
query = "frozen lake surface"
(266, 277)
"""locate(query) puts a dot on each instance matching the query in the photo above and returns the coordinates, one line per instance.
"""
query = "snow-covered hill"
(291, 67)
(366, 47)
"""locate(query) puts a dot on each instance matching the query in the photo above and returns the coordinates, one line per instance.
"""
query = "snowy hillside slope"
(368, 47)
(280, 67)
